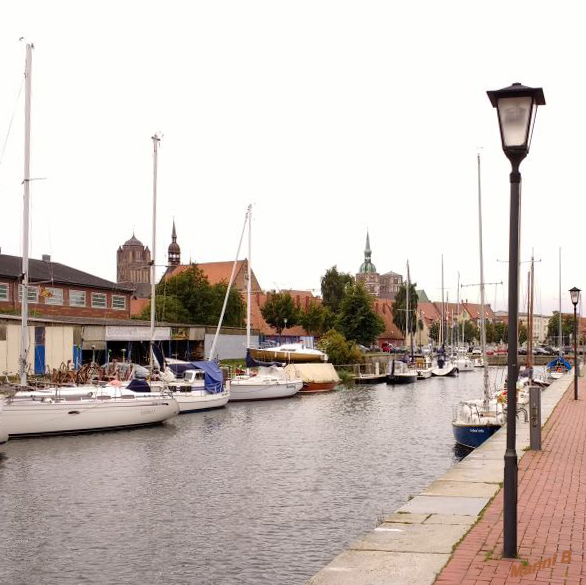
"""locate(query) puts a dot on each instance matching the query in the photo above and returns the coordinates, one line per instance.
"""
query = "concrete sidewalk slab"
(445, 505)
(414, 538)
(380, 568)
(450, 519)
(469, 489)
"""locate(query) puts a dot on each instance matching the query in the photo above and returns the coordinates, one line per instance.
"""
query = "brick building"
(133, 267)
(61, 291)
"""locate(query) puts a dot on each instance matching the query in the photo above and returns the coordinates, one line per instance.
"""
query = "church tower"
(367, 273)
(174, 251)
(133, 267)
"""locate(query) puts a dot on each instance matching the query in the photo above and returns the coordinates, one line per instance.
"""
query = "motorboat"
(288, 353)
(196, 386)
(557, 368)
(400, 373)
(263, 384)
(478, 362)
(463, 363)
(424, 367)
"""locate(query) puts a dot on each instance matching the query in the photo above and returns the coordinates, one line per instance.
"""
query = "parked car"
(539, 351)
(523, 351)
(477, 351)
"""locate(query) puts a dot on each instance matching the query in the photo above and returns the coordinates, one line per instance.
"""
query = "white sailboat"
(474, 421)
(195, 386)
(77, 410)
(267, 382)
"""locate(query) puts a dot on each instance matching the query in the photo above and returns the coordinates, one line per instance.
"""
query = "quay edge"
(413, 545)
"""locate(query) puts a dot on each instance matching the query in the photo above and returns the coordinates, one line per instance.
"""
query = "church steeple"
(174, 251)
(367, 265)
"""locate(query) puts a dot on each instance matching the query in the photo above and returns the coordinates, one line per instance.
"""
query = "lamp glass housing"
(515, 117)
(575, 295)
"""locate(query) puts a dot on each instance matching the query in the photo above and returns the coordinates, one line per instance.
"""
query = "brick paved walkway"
(551, 511)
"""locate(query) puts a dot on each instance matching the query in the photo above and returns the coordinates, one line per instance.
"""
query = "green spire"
(367, 265)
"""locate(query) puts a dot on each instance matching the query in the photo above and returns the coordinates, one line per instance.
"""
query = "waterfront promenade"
(429, 540)
(551, 513)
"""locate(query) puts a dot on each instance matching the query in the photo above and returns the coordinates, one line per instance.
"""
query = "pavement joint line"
(553, 395)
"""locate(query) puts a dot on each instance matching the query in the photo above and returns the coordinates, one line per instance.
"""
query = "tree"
(490, 333)
(434, 331)
(357, 320)
(189, 298)
(471, 332)
(400, 309)
(522, 333)
(279, 308)
(333, 286)
(501, 332)
(317, 319)
(553, 325)
(338, 349)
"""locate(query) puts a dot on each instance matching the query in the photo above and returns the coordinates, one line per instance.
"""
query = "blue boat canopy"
(213, 377)
(559, 362)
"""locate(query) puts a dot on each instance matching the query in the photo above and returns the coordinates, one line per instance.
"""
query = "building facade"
(133, 268)
(58, 290)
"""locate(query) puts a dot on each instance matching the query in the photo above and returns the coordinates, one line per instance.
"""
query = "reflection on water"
(256, 493)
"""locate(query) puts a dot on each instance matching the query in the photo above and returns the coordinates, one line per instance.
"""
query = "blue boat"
(473, 436)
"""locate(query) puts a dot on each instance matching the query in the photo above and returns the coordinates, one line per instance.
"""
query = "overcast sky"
(331, 117)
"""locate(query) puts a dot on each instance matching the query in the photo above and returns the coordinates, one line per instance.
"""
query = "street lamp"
(575, 296)
(517, 107)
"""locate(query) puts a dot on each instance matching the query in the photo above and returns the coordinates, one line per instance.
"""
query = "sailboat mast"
(482, 310)
(156, 141)
(458, 314)
(560, 307)
(249, 287)
(24, 337)
(407, 288)
(442, 322)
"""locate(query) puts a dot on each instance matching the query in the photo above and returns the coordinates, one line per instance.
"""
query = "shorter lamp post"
(575, 296)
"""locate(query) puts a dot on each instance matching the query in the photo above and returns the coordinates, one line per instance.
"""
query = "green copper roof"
(367, 265)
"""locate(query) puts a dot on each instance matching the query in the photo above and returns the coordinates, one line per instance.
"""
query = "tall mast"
(442, 323)
(560, 307)
(156, 141)
(249, 286)
(482, 310)
(530, 302)
(24, 337)
(458, 314)
(407, 303)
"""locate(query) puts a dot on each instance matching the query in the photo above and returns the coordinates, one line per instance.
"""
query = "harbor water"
(255, 493)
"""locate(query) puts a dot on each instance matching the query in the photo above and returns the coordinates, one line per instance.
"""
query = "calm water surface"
(255, 493)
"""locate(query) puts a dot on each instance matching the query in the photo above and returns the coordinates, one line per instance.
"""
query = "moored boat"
(265, 384)
(399, 373)
(289, 353)
(316, 377)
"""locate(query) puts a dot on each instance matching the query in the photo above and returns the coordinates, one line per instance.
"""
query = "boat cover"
(559, 362)
(159, 357)
(213, 377)
(139, 385)
(252, 363)
(319, 373)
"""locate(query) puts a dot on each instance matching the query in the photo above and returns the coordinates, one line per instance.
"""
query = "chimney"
(46, 258)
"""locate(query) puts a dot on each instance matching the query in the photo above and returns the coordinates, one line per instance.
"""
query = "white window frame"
(57, 298)
(99, 306)
(33, 294)
(5, 286)
(117, 297)
(72, 294)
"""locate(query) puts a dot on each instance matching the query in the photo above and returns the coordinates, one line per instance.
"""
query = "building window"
(118, 302)
(99, 301)
(53, 296)
(33, 294)
(77, 298)
(4, 295)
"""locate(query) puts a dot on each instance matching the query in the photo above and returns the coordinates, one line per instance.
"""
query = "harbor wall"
(414, 543)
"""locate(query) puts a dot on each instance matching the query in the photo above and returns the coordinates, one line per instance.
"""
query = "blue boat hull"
(473, 436)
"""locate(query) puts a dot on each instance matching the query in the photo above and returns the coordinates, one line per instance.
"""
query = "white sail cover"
(321, 373)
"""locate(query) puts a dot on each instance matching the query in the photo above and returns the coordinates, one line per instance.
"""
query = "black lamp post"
(575, 296)
(516, 106)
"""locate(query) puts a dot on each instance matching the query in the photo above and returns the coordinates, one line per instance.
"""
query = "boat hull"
(423, 374)
(29, 418)
(199, 401)
(259, 391)
(268, 355)
(316, 387)
(402, 378)
(448, 370)
(473, 436)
